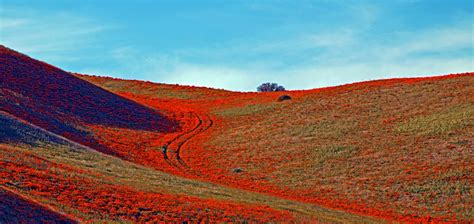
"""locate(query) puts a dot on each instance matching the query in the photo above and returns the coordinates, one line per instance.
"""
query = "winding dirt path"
(204, 122)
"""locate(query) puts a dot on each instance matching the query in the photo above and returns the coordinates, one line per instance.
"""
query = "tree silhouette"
(270, 87)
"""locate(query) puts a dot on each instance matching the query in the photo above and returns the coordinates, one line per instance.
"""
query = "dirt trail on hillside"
(175, 146)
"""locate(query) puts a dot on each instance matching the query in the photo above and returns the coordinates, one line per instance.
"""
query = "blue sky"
(237, 45)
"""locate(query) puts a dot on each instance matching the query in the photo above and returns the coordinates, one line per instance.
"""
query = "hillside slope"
(55, 129)
(400, 149)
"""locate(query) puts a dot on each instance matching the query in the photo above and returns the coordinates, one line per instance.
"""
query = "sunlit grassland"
(360, 143)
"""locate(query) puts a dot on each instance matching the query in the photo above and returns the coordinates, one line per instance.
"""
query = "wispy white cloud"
(11, 23)
(441, 39)
(53, 37)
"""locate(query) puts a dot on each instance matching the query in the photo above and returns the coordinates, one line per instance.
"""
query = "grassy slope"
(399, 149)
(403, 148)
(61, 175)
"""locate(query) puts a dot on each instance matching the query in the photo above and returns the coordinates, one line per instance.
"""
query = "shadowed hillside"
(15, 209)
(61, 103)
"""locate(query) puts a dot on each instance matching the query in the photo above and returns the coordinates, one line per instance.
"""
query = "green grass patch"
(438, 123)
(245, 110)
(320, 155)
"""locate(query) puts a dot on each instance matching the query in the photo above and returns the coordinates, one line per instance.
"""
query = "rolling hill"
(399, 149)
(86, 148)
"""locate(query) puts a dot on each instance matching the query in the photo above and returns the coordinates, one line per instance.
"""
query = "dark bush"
(283, 98)
(270, 87)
